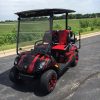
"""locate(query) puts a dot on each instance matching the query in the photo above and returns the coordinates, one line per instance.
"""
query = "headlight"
(41, 65)
(25, 66)
(16, 60)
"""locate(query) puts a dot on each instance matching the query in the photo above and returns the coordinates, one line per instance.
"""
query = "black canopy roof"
(42, 12)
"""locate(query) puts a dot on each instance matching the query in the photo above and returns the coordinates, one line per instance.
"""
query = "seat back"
(63, 37)
(60, 37)
(55, 37)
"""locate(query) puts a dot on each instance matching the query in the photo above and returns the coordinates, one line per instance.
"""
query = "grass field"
(8, 30)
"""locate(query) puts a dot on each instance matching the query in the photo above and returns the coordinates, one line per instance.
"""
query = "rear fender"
(73, 48)
(71, 53)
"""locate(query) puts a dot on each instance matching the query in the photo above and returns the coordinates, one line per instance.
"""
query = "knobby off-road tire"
(48, 80)
(75, 60)
(14, 77)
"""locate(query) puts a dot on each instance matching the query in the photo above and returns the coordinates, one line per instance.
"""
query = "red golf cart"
(44, 49)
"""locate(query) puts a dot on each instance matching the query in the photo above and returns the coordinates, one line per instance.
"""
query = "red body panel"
(31, 66)
(71, 53)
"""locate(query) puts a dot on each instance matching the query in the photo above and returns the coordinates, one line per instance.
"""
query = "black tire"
(13, 75)
(75, 60)
(48, 80)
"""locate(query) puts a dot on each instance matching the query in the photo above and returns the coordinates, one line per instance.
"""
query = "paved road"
(78, 83)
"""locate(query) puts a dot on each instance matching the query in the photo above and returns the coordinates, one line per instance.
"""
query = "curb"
(90, 35)
(13, 51)
(5, 53)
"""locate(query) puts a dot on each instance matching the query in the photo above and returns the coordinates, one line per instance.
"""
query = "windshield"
(32, 30)
(59, 22)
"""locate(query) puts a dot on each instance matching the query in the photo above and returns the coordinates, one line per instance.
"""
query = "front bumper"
(24, 76)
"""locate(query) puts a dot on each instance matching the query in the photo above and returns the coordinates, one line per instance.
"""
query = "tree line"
(79, 16)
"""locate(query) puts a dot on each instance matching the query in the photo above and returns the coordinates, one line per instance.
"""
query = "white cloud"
(9, 7)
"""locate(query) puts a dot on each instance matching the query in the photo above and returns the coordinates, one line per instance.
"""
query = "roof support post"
(18, 35)
(51, 22)
(66, 19)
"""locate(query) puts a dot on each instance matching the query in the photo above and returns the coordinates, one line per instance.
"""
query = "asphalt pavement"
(79, 83)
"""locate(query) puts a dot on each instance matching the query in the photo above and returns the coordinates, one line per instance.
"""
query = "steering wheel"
(38, 42)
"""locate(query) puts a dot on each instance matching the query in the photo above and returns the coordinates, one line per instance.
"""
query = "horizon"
(61, 15)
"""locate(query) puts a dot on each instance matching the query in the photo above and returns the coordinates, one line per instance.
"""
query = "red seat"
(59, 47)
(62, 40)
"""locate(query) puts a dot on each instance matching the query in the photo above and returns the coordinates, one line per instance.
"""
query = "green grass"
(8, 29)
(7, 47)
(61, 24)
(75, 24)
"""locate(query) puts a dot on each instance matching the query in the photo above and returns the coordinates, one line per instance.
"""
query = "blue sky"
(9, 7)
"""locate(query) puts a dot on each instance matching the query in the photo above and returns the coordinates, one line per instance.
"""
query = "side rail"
(77, 38)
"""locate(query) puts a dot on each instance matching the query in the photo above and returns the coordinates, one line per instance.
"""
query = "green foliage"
(84, 23)
(89, 24)
(96, 22)
(8, 38)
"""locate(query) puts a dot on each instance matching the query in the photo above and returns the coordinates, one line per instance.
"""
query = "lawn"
(29, 31)
(7, 27)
